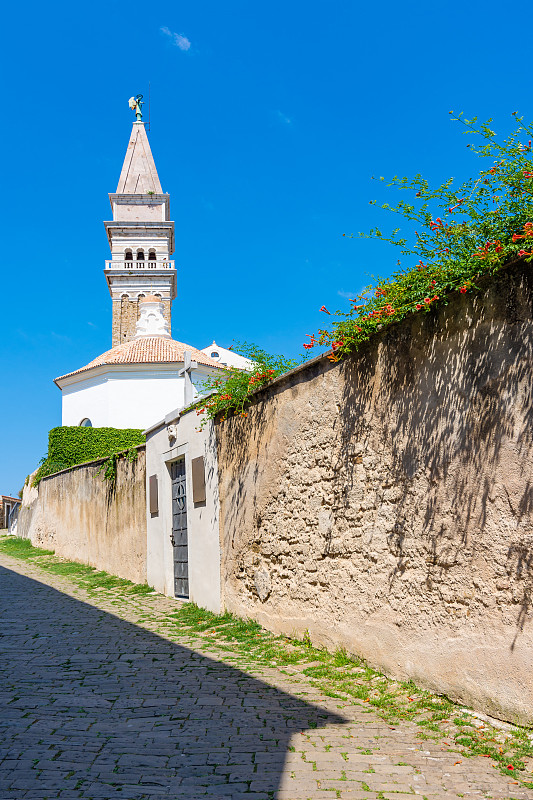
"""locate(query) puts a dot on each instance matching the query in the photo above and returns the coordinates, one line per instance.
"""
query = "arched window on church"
(86, 423)
(151, 255)
(128, 256)
(140, 255)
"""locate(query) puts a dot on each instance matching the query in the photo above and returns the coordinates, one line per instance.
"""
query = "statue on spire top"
(136, 103)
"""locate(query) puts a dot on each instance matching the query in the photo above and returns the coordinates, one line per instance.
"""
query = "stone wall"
(385, 503)
(78, 515)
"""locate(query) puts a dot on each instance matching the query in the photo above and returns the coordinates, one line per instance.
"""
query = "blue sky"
(268, 121)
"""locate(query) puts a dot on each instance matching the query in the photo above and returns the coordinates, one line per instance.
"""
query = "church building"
(146, 373)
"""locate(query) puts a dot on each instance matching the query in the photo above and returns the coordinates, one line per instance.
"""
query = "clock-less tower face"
(141, 238)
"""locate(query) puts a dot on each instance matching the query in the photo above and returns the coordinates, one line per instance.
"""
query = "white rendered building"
(137, 382)
(226, 357)
(146, 374)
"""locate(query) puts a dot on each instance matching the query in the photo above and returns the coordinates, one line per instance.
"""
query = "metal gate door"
(179, 529)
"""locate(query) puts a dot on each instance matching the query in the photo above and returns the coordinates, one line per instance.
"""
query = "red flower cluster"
(427, 300)
(528, 232)
(387, 309)
(258, 378)
(484, 252)
(438, 225)
(324, 309)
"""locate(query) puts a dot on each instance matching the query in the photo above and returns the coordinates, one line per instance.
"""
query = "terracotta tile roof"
(147, 350)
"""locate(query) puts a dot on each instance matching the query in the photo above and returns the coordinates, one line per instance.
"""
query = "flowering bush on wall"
(462, 234)
(234, 389)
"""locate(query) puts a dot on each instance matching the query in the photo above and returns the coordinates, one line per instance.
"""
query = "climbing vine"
(72, 445)
(109, 467)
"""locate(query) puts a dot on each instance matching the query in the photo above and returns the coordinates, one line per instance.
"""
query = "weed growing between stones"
(349, 678)
(340, 675)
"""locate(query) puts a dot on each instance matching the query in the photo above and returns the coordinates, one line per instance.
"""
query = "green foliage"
(109, 467)
(69, 446)
(462, 234)
(232, 392)
(87, 577)
(21, 548)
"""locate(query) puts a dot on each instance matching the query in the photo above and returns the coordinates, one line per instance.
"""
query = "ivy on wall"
(69, 446)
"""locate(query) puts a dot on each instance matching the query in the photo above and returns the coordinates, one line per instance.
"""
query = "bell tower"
(141, 237)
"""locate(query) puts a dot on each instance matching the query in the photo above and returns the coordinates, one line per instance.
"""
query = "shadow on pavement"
(96, 707)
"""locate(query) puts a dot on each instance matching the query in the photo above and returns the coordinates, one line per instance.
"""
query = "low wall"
(82, 518)
(385, 503)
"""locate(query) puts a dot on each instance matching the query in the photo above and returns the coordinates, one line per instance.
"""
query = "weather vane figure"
(136, 103)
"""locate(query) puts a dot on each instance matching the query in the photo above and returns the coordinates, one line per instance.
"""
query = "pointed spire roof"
(139, 175)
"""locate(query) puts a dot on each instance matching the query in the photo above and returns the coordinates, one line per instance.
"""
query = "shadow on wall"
(444, 402)
(110, 709)
(246, 448)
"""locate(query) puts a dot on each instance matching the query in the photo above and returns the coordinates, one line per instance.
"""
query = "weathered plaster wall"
(76, 514)
(385, 503)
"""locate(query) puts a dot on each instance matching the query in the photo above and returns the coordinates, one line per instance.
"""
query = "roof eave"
(128, 366)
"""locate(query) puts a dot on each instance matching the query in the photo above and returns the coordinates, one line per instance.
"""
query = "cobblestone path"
(98, 701)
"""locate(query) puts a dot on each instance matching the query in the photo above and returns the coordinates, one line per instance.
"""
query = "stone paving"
(99, 702)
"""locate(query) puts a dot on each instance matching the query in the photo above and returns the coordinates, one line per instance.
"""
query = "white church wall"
(88, 400)
(202, 518)
(127, 398)
(137, 399)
